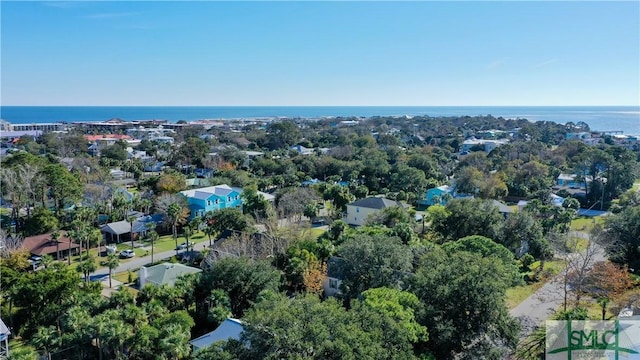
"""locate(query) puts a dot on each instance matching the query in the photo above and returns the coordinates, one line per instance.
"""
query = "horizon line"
(570, 105)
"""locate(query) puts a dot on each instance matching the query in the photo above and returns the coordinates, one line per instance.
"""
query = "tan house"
(359, 210)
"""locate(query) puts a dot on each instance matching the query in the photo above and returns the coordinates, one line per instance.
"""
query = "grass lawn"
(518, 294)
(636, 186)
(577, 244)
(316, 233)
(586, 223)
(123, 277)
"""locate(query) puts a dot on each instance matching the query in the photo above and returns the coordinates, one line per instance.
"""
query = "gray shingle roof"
(375, 203)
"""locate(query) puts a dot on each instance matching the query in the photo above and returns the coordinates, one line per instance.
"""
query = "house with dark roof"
(359, 210)
(44, 245)
(503, 208)
(333, 280)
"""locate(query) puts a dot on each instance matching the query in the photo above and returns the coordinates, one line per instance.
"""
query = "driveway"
(538, 307)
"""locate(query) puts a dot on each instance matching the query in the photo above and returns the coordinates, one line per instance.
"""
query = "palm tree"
(209, 229)
(194, 226)
(174, 212)
(174, 343)
(112, 262)
(187, 234)
(93, 237)
(152, 235)
(54, 237)
(47, 339)
(130, 220)
(87, 267)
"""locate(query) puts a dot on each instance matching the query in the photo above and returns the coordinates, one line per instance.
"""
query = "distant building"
(359, 210)
(486, 145)
(302, 150)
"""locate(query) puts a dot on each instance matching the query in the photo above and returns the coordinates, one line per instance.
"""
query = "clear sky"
(320, 53)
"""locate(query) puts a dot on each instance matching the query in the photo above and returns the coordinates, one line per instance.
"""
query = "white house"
(359, 210)
(333, 280)
(487, 145)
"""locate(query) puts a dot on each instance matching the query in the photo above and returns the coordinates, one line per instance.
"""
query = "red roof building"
(42, 244)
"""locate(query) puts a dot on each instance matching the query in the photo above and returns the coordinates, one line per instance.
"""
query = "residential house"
(229, 329)
(302, 150)
(4, 340)
(440, 195)
(571, 181)
(164, 274)
(359, 210)
(120, 228)
(44, 245)
(203, 200)
(487, 145)
(437, 195)
(211, 198)
(503, 208)
(333, 280)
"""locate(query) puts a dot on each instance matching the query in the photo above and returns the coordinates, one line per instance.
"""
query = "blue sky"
(320, 53)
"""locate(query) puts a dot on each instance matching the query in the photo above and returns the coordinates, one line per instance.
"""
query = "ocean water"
(601, 118)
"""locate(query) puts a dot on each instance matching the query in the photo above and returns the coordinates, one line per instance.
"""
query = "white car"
(128, 254)
(184, 245)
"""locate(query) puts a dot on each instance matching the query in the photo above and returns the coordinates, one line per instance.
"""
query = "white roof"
(229, 329)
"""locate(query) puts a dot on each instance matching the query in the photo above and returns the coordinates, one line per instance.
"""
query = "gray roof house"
(164, 274)
(359, 210)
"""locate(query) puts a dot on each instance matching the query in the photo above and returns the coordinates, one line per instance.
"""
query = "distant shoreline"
(625, 118)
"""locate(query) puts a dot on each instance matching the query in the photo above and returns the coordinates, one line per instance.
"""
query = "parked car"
(35, 261)
(127, 254)
(184, 245)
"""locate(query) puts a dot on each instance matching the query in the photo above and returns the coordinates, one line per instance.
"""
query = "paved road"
(543, 303)
(138, 262)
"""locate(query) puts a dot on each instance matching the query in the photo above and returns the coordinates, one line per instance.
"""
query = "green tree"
(371, 261)
(241, 279)
(176, 216)
(465, 217)
(112, 263)
(228, 218)
(306, 328)
(41, 222)
(64, 187)
(457, 290)
(487, 248)
(86, 267)
(46, 339)
(401, 306)
(621, 236)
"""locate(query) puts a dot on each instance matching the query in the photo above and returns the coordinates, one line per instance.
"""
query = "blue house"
(212, 198)
(437, 195)
(440, 195)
